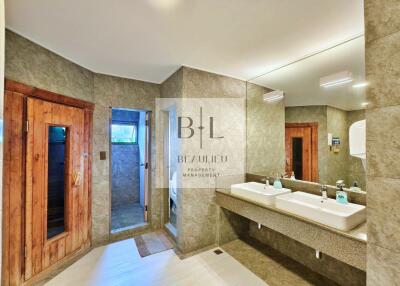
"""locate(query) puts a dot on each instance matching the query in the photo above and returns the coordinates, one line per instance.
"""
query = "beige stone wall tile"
(230, 226)
(106, 88)
(101, 120)
(197, 223)
(100, 230)
(139, 95)
(156, 207)
(200, 84)
(384, 212)
(110, 91)
(382, 71)
(382, 266)
(383, 137)
(337, 163)
(172, 87)
(34, 65)
(265, 139)
(383, 142)
(381, 18)
(100, 209)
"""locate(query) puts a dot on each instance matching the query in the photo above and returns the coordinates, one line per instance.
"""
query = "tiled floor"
(126, 215)
(119, 264)
(242, 263)
(273, 267)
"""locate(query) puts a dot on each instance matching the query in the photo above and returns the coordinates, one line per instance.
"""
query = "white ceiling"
(149, 39)
(300, 81)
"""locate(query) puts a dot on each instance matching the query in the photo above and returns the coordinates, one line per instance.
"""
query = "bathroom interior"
(297, 174)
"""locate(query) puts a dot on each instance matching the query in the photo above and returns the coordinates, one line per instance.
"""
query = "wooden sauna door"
(55, 198)
(301, 145)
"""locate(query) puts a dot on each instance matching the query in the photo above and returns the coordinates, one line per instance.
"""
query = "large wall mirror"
(306, 119)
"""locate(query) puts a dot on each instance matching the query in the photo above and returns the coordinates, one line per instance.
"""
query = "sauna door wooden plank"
(13, 184)
(42, 252)
(307, 132)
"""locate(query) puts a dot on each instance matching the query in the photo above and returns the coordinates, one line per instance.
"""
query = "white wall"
(2, 36)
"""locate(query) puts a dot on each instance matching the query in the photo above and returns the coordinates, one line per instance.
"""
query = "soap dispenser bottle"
(277, 182)
(341, 195)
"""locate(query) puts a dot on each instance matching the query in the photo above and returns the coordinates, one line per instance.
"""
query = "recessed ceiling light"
(336, 79)
(273, 96)
(360, 84)
(164, 4)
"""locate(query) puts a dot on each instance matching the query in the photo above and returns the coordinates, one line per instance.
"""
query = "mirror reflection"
(323, 100)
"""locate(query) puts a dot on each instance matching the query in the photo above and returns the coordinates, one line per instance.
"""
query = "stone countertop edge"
(359, 233)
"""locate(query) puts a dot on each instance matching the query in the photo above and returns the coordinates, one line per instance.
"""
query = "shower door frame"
(147, 170)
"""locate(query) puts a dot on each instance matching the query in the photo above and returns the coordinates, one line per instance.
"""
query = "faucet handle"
(324, 188)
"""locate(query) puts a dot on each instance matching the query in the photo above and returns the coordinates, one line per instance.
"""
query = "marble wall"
(118, 92)
(382, 23)
(32, 64)
(337, 164)
(265, 139)
(197, 213)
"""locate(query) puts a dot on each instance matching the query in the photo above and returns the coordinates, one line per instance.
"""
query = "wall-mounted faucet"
(324, 193)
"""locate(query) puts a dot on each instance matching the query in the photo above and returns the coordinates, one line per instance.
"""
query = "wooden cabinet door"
(54, 218)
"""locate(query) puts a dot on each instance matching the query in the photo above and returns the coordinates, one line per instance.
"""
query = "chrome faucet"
(324, 192)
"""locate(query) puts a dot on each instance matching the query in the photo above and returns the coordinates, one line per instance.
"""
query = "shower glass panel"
(297, 151)
(57, 141)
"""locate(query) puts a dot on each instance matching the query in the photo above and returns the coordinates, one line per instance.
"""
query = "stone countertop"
(358, 233)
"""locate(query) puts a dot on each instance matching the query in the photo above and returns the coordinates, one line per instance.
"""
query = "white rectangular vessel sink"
(328, 212)
(258, 192)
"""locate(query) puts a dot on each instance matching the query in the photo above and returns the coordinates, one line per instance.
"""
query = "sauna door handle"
(76, 179)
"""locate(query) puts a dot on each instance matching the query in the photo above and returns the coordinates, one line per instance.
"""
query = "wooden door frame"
(314, 145)
(13, 235)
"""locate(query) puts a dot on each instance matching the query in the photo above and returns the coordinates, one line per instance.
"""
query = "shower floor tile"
(126, 215)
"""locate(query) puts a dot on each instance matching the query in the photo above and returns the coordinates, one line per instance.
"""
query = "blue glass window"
(123, 133)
